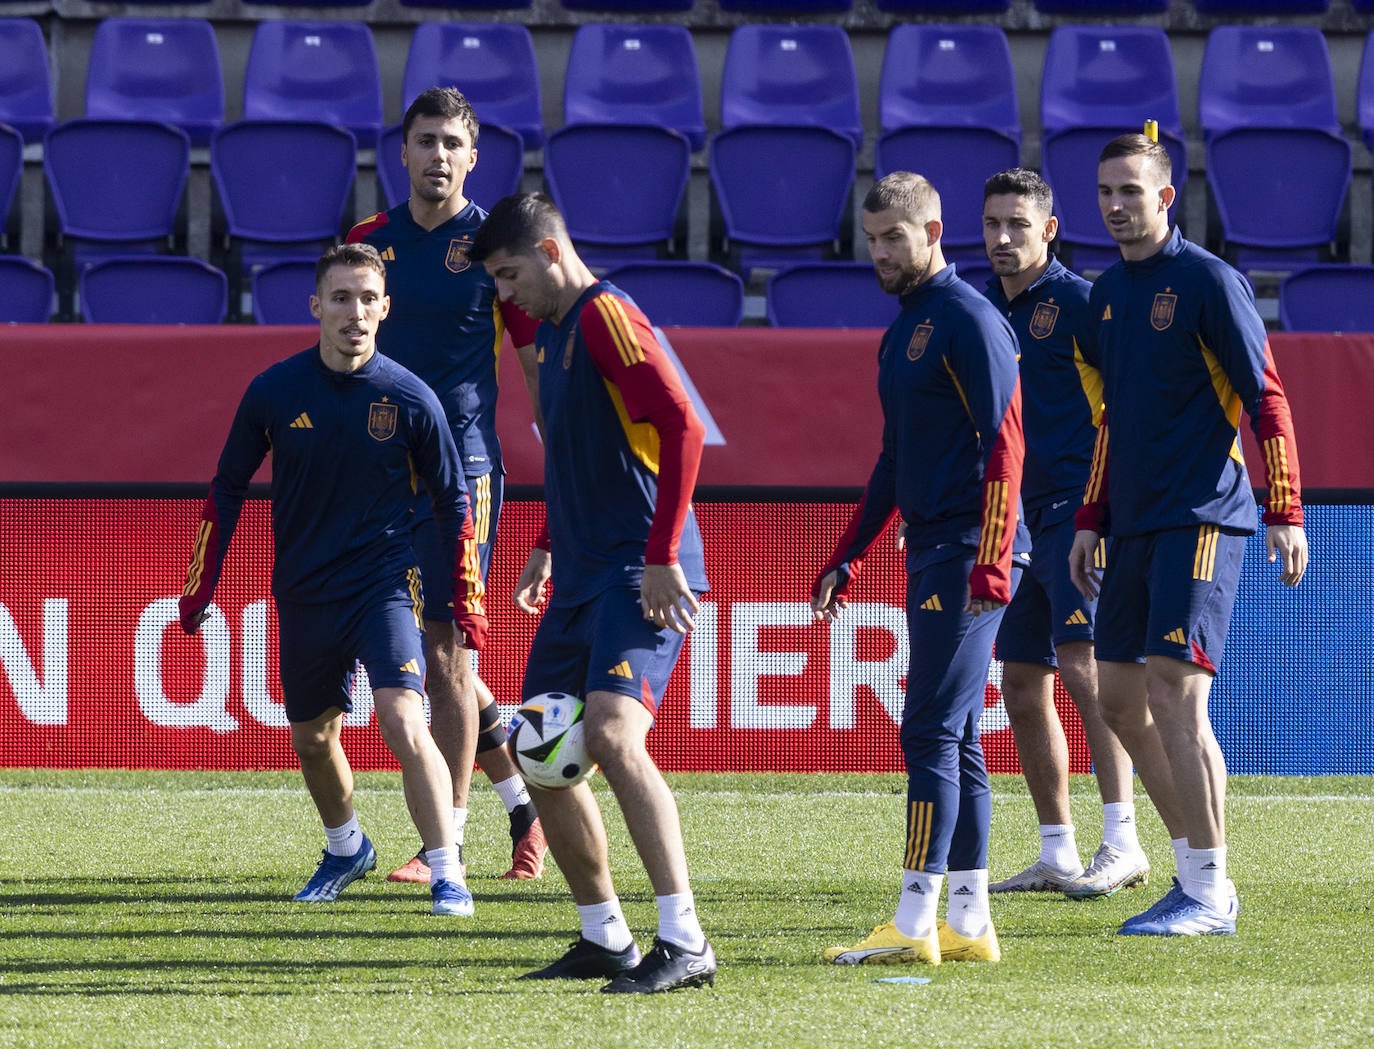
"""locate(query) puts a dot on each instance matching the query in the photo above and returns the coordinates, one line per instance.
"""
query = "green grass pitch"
(153, 909)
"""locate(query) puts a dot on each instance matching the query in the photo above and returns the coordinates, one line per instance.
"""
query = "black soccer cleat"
(666, 968)
(585, 960)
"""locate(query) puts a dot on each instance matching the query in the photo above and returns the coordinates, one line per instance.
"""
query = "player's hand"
(1290, 542)
(665, 598)
(977, 606)
(1082, 571)
(901, 536)
(472, 629)
(529, 588)
(827, 597)
(192, 612)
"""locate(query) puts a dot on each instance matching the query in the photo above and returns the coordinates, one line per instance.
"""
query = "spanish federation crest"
(1043, 320)
(920, 338)
(381, 421)
(1162, 311)
(456, 261)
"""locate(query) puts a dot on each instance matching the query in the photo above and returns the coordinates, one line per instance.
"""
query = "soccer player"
(349, 431)
(1182, 350)
(1049, 623)
(950, 463)
(621, 450)
(446, 327)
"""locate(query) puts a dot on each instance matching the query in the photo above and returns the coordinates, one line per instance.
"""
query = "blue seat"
(680, 293)
(944, 7)
(493, 64)
(797, 8)
(464, 5)
(1099, 8)
(1338, 297)
(282, 290)
(1266, 76)
(26, 291)
(628, 5)
(500, 165)
(794, 75)
(315, 71)
(829, 295)
(26, 102)
(619, 187)
(782, 191)
(1259, 8)
(157, 69)
(1364, 92)
(153, 289)
(1098, 82)
(635, 74)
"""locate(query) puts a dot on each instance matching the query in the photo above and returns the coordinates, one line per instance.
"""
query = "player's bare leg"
(1126, 709)
(348, 855)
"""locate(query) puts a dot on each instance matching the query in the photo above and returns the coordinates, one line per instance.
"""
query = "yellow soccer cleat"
(886, 946)
(956, 948)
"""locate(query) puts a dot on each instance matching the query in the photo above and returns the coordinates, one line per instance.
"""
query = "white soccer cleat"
(1038, 877)
(1110, 870)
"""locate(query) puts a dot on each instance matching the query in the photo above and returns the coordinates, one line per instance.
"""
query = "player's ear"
(386, 307)
(1051, 228)
(315, 307)
(934, 230)
(1166, 197)
(551, 250)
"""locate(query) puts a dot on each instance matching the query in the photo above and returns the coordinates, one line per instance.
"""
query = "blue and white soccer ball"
(546, 741)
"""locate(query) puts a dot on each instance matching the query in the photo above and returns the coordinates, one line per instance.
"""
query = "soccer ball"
(546, 740)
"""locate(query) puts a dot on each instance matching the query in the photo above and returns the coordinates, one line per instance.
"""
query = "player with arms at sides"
(950, 464)
(1182, 350)
(349, 432)
(622, 446)
(446, 326)
(1049, 623)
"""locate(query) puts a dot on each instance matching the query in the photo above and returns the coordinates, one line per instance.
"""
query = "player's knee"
(310, 744)
(491, 734)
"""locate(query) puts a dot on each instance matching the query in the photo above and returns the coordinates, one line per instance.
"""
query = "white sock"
(1118, 826)
(345, 840)
(460, 825)
(967, 912)
(916, 907)
(604, 924)
(445, 865)
(1204, 878)
(1180, 855)
(512, 792)
(677, 921)
(1058, 847)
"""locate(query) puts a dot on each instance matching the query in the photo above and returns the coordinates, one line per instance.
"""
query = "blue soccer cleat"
(451, 897)
(1166, 902)
(335, 873)
(1186, 917)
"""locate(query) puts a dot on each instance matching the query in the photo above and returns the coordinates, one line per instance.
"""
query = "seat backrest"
(283, 181)
(1266, 76)
(26, 102)
(948, 75)
(157, 69)
(628, 5)
(791, 75)
(315, 71)
(153, 289)
(116, 180)
(1108, 76)
(493, 64)
(635, 74)
(500, 165)
(282, 290)
(944, 7)
(1364, 92)
(1253, 8)
(796, 8)
(1337, 297)
(1099, 8)
(28, 297)
(680, 293)
(829, 295)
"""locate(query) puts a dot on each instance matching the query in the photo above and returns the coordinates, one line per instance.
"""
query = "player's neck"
(577, 279)
(1014, 284)
(1147, 247)
(430, 215)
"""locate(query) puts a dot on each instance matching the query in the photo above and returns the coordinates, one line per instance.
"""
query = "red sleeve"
(627, 353)
(1094, 515)
(1273, 425)
(519, 323)
(368, 225)
(990, 579)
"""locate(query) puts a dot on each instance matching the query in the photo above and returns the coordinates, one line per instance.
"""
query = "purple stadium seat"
(500, 165)
(619, 187)
(282, 290)
(635, 74)
(1255, 8)
(680, 293)
(1338, 297)
(157, 69)
(1266, 76)
(27, 296)
(829, 295)
(467, 5)
(793, 75)
(944, 7)
(1100, 8)
(798, 8)
(948, 76)
(782, 191)
(153, 289)
(26, 102)
(315, 71)
(1364, 94)
(492, 63)
(628, 5)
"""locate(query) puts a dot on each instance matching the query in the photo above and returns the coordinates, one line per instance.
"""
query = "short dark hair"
(906, 190)
(516, 224)
(446, 102)
(351, 255)
(1021, 182)
(1138, 145)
